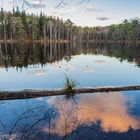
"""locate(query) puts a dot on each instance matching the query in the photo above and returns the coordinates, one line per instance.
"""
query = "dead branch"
(25, 94)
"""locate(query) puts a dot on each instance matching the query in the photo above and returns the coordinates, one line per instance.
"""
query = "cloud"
(38, 5)
(94, 9)
(103, 18)
(65, 12)
(82, 1)
(31, 4)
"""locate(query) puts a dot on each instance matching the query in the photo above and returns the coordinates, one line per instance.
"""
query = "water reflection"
(88, 69)
(23, 55)
(100, 61)
(100, 116)
(110, 109)
(39, 72)
(44, 65)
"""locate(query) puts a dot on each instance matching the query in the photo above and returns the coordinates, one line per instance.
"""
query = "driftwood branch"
(25, 94)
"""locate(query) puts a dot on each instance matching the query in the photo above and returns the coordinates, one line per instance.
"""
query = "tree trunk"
(25, 94)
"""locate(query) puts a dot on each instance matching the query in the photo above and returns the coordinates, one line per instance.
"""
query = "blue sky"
(92, 13)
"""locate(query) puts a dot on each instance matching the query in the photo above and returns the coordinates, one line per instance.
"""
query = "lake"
(108, 116)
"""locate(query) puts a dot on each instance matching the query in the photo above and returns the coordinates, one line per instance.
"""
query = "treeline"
(18, 25)
(127, 31)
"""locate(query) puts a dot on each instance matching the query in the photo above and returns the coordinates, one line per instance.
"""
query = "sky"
(83, 13)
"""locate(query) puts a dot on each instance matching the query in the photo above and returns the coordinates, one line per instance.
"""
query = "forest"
(19, 25)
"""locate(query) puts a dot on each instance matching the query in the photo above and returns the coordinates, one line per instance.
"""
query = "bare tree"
(39, 3)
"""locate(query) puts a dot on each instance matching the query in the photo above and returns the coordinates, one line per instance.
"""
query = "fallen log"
(26, 94)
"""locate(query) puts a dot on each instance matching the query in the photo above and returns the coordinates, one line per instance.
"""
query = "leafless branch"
(33, 4)
(61, 3)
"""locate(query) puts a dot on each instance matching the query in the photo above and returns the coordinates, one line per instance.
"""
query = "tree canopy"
(20, 25)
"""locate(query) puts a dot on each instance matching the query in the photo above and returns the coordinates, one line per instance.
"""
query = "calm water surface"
(108, 116)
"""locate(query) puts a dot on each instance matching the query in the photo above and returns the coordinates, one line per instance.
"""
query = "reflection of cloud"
(66, 67)
(38, 72)
(66, 117)
(40, 99)
(88, 69)
(57, 65)
(69, 67)
(110, 109)
(7, 137)
(100, 61)
(103, 18)
(52, 100)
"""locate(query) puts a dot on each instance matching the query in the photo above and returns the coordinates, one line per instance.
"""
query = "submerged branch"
(25, 94)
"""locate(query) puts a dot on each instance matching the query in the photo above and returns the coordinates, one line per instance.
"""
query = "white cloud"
(91, 8)
(102, 18)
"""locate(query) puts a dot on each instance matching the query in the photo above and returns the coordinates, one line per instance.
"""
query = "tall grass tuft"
(69, 86)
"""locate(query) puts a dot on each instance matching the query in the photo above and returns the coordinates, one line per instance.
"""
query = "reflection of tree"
(2, 126)
(23, 55)
(29, 122)
(25, 115)
(67, 58)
